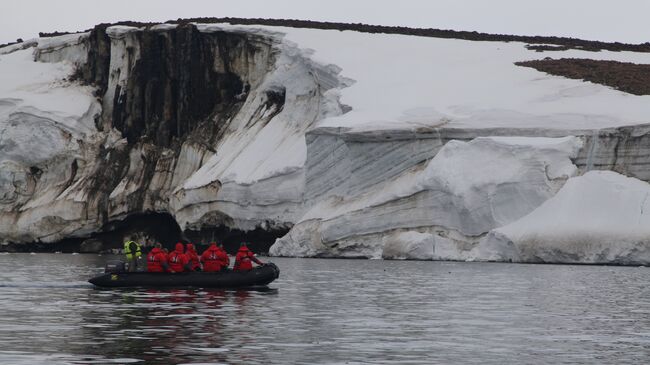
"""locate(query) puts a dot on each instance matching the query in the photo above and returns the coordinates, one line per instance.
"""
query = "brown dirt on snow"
(628, 77)
(549, 47)
(569, 43)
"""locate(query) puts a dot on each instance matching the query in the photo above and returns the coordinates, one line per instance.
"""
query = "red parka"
(244, 259)
(193, 256)
(157, 261)
(178, 261)
(214, 259)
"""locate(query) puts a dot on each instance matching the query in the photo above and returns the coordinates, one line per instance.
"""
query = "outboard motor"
(114, 267)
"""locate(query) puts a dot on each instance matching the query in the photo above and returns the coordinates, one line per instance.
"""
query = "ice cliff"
(467, 189)
(340, 144)
(204, 124)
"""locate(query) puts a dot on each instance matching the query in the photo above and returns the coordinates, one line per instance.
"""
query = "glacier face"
(456, 197)
(280, 129)
(196, 122)
(46, 126)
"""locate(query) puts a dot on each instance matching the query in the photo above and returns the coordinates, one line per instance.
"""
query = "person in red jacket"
(245, 258)
(157, 260)
(178, 260)
(223, 256)
(195, 265)
(215, 258)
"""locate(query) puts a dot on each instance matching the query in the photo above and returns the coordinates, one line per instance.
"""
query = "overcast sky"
(607, 20)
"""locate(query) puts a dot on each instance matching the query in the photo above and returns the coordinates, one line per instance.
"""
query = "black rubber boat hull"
(259, 276)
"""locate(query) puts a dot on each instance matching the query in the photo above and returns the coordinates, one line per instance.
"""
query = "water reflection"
(330, 312)
(172, 325)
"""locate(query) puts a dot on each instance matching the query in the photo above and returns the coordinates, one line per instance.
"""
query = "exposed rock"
(537, 41)
(625, 76)
(546, 47)
(91, 246)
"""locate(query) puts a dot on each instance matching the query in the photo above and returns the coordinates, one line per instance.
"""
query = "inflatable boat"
(259, 276)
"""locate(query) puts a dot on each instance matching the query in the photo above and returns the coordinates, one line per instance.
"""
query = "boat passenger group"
(185, 258)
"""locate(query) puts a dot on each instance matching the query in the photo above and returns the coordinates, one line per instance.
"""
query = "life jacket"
(193, 257)
(127, 250)
(244, 259)
(223, 256)
(177, 259)
(156, 260)
(211, 260)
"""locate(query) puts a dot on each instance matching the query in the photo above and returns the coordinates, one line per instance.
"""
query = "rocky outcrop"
(625, 76)
(170, 92)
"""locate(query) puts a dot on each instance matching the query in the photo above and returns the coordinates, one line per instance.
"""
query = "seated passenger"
(157, 260)
(214, 258)
(245, 258)
(195, 265)
(223, 256)
(178, 260)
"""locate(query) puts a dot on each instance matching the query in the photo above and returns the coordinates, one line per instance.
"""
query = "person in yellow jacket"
(133, 253)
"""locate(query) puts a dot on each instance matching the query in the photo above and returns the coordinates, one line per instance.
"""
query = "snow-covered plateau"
(337, 143)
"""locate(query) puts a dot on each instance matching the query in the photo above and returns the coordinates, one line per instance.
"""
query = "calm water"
(330, 312)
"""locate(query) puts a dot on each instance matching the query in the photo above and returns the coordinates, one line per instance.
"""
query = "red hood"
(190, 247)
(179, 248)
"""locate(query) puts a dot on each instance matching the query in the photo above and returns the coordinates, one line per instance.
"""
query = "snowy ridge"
(426, 87)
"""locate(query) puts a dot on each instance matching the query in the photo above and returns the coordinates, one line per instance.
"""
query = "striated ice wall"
(455, 198)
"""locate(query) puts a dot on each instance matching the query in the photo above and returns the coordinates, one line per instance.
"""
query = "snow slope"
(600, 217)
(462, 84)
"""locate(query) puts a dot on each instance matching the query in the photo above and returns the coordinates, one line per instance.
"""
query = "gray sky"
(607, 20)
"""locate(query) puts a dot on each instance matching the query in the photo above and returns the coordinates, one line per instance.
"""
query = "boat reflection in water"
(172, 325)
